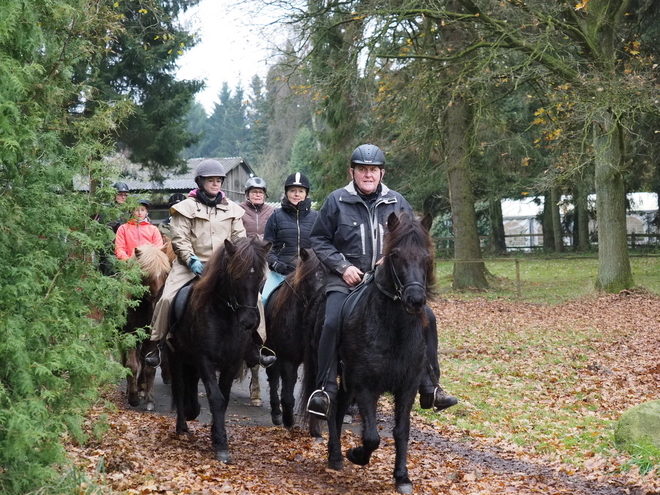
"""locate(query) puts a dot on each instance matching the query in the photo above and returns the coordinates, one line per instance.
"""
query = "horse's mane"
(153, 261)
(410, 236)
(294, 284)
(222, 268)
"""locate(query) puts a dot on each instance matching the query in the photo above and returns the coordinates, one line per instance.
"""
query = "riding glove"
(282, 268)
(195, 265)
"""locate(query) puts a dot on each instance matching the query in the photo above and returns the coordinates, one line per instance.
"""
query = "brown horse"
(156, 266)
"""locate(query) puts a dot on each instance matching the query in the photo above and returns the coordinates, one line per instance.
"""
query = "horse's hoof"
(336, 465)
(134, 401)
(151, 406)
(223, 456)
(353, 455)
(404, 487)
(277, 419)
(167, 381)
(318, 439)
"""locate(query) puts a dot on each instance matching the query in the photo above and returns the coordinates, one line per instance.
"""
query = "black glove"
(282, 268)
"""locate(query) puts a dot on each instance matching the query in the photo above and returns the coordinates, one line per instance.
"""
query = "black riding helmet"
(144, 202)
(174, 199)
(297, 179)
(368, 154)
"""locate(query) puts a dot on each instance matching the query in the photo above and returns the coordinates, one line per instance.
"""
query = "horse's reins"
(302, 298)
(399, 288)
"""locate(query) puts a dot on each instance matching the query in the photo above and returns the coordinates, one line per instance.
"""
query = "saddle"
(354, 297)
(179, 304)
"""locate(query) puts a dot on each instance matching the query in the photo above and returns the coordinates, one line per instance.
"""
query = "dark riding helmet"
(209, 168)
(368, 154)
(297, 179)
(144, 202)
(174, 199)
(121, 187)
(256, 183)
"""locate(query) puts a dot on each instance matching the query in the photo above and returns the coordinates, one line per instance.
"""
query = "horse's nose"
(414, 299)
(248, 319)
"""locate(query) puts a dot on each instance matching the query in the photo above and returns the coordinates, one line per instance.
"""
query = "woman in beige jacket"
(199, 225)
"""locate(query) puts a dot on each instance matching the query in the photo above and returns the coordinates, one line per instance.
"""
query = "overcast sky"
(232, 48)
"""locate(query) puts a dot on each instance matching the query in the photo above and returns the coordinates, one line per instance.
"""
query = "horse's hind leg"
(132, 379)
(289, 377)
(148, 375)
(401, 433)
(367, 402)
(273, 373)
(178, 393)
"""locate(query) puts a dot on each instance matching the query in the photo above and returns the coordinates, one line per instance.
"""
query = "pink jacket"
(132, 234)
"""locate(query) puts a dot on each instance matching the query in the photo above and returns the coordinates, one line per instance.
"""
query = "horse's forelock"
(153, 261)
(408, 237)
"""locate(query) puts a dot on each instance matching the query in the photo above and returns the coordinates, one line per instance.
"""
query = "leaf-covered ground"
(578, 365)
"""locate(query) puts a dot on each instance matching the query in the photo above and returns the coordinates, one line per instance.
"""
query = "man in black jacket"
(348, 239)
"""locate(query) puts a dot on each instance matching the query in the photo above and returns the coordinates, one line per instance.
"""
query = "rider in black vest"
(288, 227)
(348, 239)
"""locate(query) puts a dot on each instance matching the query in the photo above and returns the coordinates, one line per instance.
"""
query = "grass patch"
(547, 280)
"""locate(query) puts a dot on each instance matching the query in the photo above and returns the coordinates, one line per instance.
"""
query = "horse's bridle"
(399, 288)
(233, 303)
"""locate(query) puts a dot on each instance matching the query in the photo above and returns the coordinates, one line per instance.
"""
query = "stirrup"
(451, 400)
(153, 357)
(267, 360)
(315, 395)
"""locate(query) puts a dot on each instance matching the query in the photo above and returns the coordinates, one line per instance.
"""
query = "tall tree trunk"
(464, 218)
(557, 232)
(497, 241)
(546, 223)
(614, 272)
(581, 237)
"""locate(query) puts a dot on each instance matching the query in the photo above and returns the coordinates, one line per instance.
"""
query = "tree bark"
(497, 241)
(557, 231)
(581, 240)
(546, 223)
(614, 273)
(464, 219)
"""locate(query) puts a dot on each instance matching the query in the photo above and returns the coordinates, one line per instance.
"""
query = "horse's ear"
(427, 221)
(392, 222)
(229, 247)
(304, 255)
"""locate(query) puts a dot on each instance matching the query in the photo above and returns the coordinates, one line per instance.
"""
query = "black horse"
(290, 326)
(214, 333)
(382, 346)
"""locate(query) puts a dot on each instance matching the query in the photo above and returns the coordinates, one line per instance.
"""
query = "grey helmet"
(297, 179)
(209, 168)
(368, 154)
(121, 187)
(256, 183)
(144, 202)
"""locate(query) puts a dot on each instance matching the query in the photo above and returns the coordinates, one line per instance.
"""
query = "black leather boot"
(438, 400)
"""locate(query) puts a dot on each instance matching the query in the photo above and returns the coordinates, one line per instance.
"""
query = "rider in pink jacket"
(138, 231)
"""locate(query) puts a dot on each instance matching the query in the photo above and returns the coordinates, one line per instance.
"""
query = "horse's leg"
(273, 374)
(218, 405)
(403, 403)
(165, 369)
(367, 403)
(335, 423)
(289, 376)
(147, 376)
(178, 392)
(132, 379)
